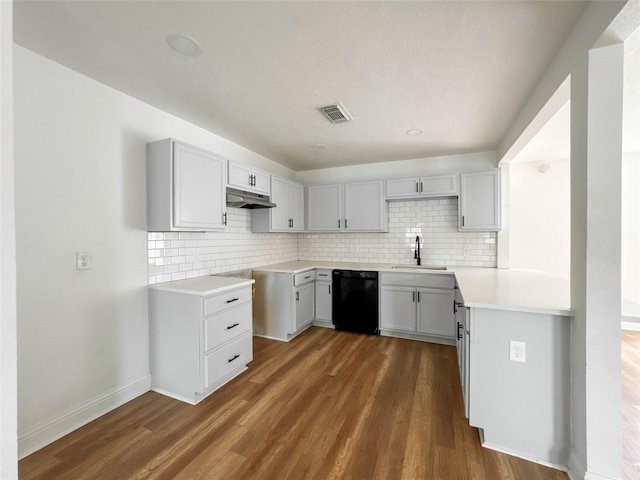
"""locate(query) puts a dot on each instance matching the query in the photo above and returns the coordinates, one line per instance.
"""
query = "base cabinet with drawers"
(198, 342)
(417, 306)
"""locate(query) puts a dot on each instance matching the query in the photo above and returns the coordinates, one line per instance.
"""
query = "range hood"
(241, 199)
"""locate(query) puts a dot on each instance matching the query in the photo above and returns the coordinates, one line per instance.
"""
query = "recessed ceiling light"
(318, 146)
(414, 131)
(184, 44)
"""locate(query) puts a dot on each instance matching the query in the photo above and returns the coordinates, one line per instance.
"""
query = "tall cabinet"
(185, 188)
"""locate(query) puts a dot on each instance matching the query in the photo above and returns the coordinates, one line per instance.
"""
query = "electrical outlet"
(517, 351)
(84, 261)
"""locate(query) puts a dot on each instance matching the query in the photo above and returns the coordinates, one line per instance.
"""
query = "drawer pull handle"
(323, 274)
(232, 326)
(309, 276)
(233, 300)
(233, 358)
(459, 331)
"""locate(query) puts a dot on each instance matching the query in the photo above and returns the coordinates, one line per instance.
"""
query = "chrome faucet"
(416, 253)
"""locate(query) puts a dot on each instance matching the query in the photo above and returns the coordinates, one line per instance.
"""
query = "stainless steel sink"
(418, 267)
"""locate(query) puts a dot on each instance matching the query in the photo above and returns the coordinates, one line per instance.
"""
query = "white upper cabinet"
(479, 201)
(349, 207)
(185, 188)
(287, 215)
(324, 207)
(248, 178)
(365, 209)
(423, 187)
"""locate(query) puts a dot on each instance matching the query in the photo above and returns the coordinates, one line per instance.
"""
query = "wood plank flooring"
(631, 404)
(327, 405)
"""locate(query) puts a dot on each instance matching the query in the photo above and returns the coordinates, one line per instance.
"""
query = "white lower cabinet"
(323, 298)
(305, 305)
(417, 306)
(198, 343)
(462, 347)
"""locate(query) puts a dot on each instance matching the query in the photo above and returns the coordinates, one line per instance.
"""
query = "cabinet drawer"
(222, 301)
(434, 280)
(304, 277)
(223, 361)
(226, 326)
(323, 274)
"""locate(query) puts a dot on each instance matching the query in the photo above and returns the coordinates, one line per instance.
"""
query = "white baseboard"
(524, 456)
(576, 470)
(46, 433)
(631, 323)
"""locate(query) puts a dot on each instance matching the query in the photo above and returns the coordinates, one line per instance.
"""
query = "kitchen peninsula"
(519, 403)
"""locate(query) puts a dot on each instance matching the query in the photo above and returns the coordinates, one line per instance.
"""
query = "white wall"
(80, 182)
(8, 370)
(540, 217)
(471, 162)
(593, 452)
(631, 235)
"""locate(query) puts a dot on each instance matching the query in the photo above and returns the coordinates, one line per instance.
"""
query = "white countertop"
(497, 288)
(203, 286)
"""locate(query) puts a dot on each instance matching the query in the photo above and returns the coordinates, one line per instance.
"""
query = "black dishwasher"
(354, 306)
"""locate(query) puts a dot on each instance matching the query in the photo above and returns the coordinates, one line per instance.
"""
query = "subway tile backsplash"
(434, 220)
(179, 255)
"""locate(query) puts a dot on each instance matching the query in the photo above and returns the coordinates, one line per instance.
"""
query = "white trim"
(270, 338)
(46, 433)
(631, 323)
(524, 456)
(576, 471)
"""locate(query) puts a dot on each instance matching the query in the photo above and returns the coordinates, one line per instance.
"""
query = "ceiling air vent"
(336, 113)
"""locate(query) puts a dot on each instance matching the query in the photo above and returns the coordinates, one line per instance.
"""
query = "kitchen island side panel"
(523, 408)
(273, 309)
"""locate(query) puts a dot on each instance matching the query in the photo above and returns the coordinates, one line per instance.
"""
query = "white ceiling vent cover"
(336, 113)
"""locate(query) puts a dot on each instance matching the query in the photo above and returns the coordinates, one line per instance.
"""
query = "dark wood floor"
(327, 405)
(631, 404)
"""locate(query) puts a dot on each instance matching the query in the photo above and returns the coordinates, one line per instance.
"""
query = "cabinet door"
(439, 185)
(323, 301)
(324, 207)
(198, 189)
(239, 176)
(261, 182)
(304, 297)
(479, 201)
(435, 312)
(296, 206)
(280, 196)
(403, 187)
(398, 308)
(364, 206)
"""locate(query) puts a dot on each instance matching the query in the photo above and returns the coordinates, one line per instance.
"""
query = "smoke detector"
(336, 113)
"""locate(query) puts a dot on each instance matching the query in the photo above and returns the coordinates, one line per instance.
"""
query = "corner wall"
(80, 186)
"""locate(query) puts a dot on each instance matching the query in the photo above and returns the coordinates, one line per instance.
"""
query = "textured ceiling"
(458, 70)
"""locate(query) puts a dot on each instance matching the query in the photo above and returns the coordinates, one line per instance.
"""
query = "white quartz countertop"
(497, 288)
(203, 286)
